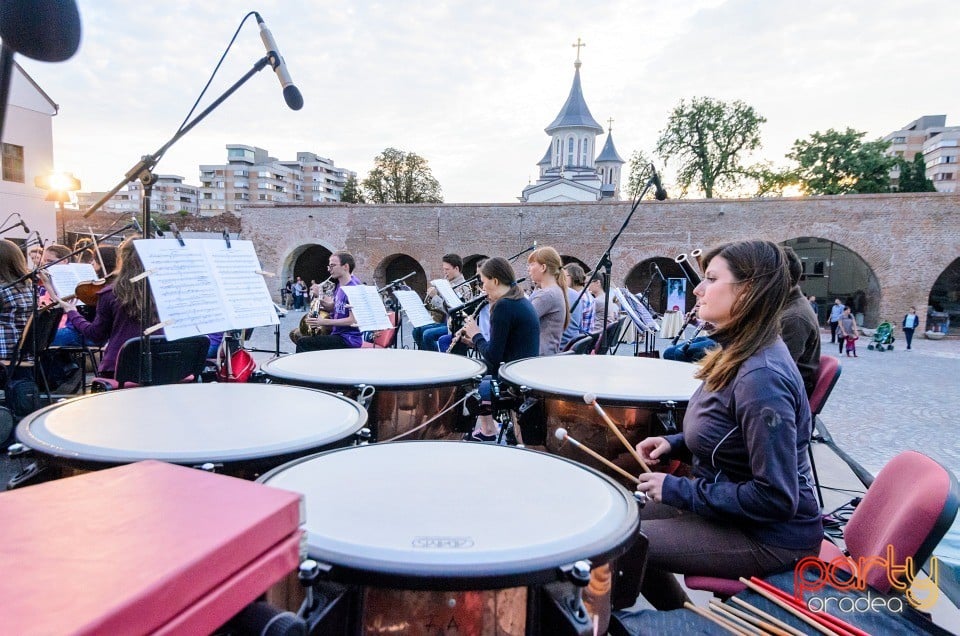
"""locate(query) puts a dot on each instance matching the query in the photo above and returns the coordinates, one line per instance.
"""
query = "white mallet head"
(589, 398)
(561, 434)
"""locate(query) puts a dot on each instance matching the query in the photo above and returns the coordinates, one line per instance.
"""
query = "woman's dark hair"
(109, 255)
(763, 283)
(577, 276)
(13, 265)
(500, 270)
(453, 260)
(60, 251)
(128, 293)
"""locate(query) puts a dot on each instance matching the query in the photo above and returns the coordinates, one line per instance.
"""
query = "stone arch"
(833, 270)
(399, 265)
(645, 272)
(308, 261)
(470, 265)
(945, 299)
(566, 260)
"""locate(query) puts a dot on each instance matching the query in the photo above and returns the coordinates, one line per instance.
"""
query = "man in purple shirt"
(344, 334)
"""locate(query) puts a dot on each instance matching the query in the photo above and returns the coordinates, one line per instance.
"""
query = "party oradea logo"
(845, 574)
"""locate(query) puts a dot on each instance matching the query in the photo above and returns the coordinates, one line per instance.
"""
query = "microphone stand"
(607, 264)
(143, 170)
(398, 343)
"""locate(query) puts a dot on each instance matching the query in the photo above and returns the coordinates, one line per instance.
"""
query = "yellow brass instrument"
(316, 311)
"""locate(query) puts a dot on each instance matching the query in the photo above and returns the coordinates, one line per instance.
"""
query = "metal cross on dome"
(578, 46)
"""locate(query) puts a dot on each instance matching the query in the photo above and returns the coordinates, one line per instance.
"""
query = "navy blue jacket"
(514, 333)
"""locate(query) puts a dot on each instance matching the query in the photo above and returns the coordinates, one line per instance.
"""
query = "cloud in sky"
(470, 86)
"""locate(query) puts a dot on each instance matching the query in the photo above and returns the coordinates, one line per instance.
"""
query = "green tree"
(834, 162)
(351, 191)
(401, 177)
(770, 181)
(708, 139)
(639, 173)
(913, 175)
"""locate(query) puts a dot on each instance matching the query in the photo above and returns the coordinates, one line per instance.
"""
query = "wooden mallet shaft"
(591, 399)
(562, 435)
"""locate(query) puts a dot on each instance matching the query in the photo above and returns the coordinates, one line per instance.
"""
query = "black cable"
(214, 74)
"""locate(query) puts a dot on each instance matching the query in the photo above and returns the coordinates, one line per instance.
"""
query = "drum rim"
(391, 385)
(360, 570)
(571, 396)
(61, 453)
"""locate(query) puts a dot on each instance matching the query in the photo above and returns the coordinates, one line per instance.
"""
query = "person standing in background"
(910, 322)
(835, 313)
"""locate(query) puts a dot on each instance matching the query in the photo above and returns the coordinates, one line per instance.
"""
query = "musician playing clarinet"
(345, 334)
(749, 508)
(514, 333)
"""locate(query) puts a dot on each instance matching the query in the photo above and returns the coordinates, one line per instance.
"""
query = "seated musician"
(427, 336)
(16, 301)
(119, 308)
(582, 316)
(344, 334)
(799, 327)
(67, 336)
(750, 507)
(514, 331)
(549, 298)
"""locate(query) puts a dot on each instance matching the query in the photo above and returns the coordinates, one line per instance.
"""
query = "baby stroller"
(882, 337)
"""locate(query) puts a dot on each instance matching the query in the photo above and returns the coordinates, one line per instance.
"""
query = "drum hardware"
(208, 467)
(590, 398)
(365, 394)
(363, 437)
(668, 419)
(561, 434)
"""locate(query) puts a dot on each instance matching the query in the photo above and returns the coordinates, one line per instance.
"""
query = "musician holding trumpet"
(750, 508)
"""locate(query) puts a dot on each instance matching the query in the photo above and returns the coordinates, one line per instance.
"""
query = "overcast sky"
(470, 86)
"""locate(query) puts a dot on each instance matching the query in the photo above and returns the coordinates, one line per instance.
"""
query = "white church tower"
(568, 170)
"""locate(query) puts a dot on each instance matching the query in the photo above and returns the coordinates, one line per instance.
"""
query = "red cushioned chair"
(384, 339)
(827, 377)
(910, 506)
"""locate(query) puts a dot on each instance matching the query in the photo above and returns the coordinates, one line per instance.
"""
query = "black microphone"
(291, 94)
(156, 228)
(659, 273)
(45, 30)
(136, 224)
(660, 194)
(23, 224)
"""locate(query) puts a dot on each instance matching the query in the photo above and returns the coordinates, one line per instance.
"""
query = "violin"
(86, 291)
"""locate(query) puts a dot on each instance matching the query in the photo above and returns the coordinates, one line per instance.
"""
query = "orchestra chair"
(24, 356)
(582, 344)
(612, 337)
(385, 338)
(909, 507)
(827, 377)
(173, 361)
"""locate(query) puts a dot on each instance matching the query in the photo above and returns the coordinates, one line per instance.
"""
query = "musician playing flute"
(345, 334)
(514, 333)
(749, 508)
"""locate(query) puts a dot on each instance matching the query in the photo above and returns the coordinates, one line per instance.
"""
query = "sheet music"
(66, 276)
(417, 314)
(199, 289)
(630, 307)
(367, 307)
(445, 289)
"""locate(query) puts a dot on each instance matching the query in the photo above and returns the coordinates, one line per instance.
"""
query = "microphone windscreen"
(44, 30)
(291, 94)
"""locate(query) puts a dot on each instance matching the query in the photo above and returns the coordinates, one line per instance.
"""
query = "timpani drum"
(644, 396)
(241, 430)
(408, 387)
(438, 537)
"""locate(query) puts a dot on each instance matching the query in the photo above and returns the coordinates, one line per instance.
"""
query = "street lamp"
(58, 185)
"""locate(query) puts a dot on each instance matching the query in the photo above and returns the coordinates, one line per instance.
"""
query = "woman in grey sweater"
(549, 298)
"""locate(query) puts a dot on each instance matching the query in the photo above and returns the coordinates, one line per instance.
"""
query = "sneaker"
(477, 436)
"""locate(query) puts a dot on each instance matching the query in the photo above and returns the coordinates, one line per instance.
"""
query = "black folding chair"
(23, 363)
(172, 361)
(610, 339)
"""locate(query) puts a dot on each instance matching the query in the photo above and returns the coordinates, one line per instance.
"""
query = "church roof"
(546, 157)
(609, 152)
(575, 111)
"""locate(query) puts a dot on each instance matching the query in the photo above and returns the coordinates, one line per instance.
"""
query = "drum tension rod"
(668, 418)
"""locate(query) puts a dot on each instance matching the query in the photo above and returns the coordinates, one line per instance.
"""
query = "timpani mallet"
(561, 434)
(591, 399)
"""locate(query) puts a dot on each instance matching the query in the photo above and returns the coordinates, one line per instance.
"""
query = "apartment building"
(252, 176)
(170, 195)
(930, 136)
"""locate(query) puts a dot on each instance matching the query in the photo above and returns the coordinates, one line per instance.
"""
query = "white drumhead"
(611, 378)
(377, 367)
(455, 509)
(186, 423)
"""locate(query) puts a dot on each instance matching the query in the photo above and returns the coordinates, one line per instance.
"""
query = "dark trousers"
(320, 343)
(682, 542)
(833, 331)
(908, 334)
